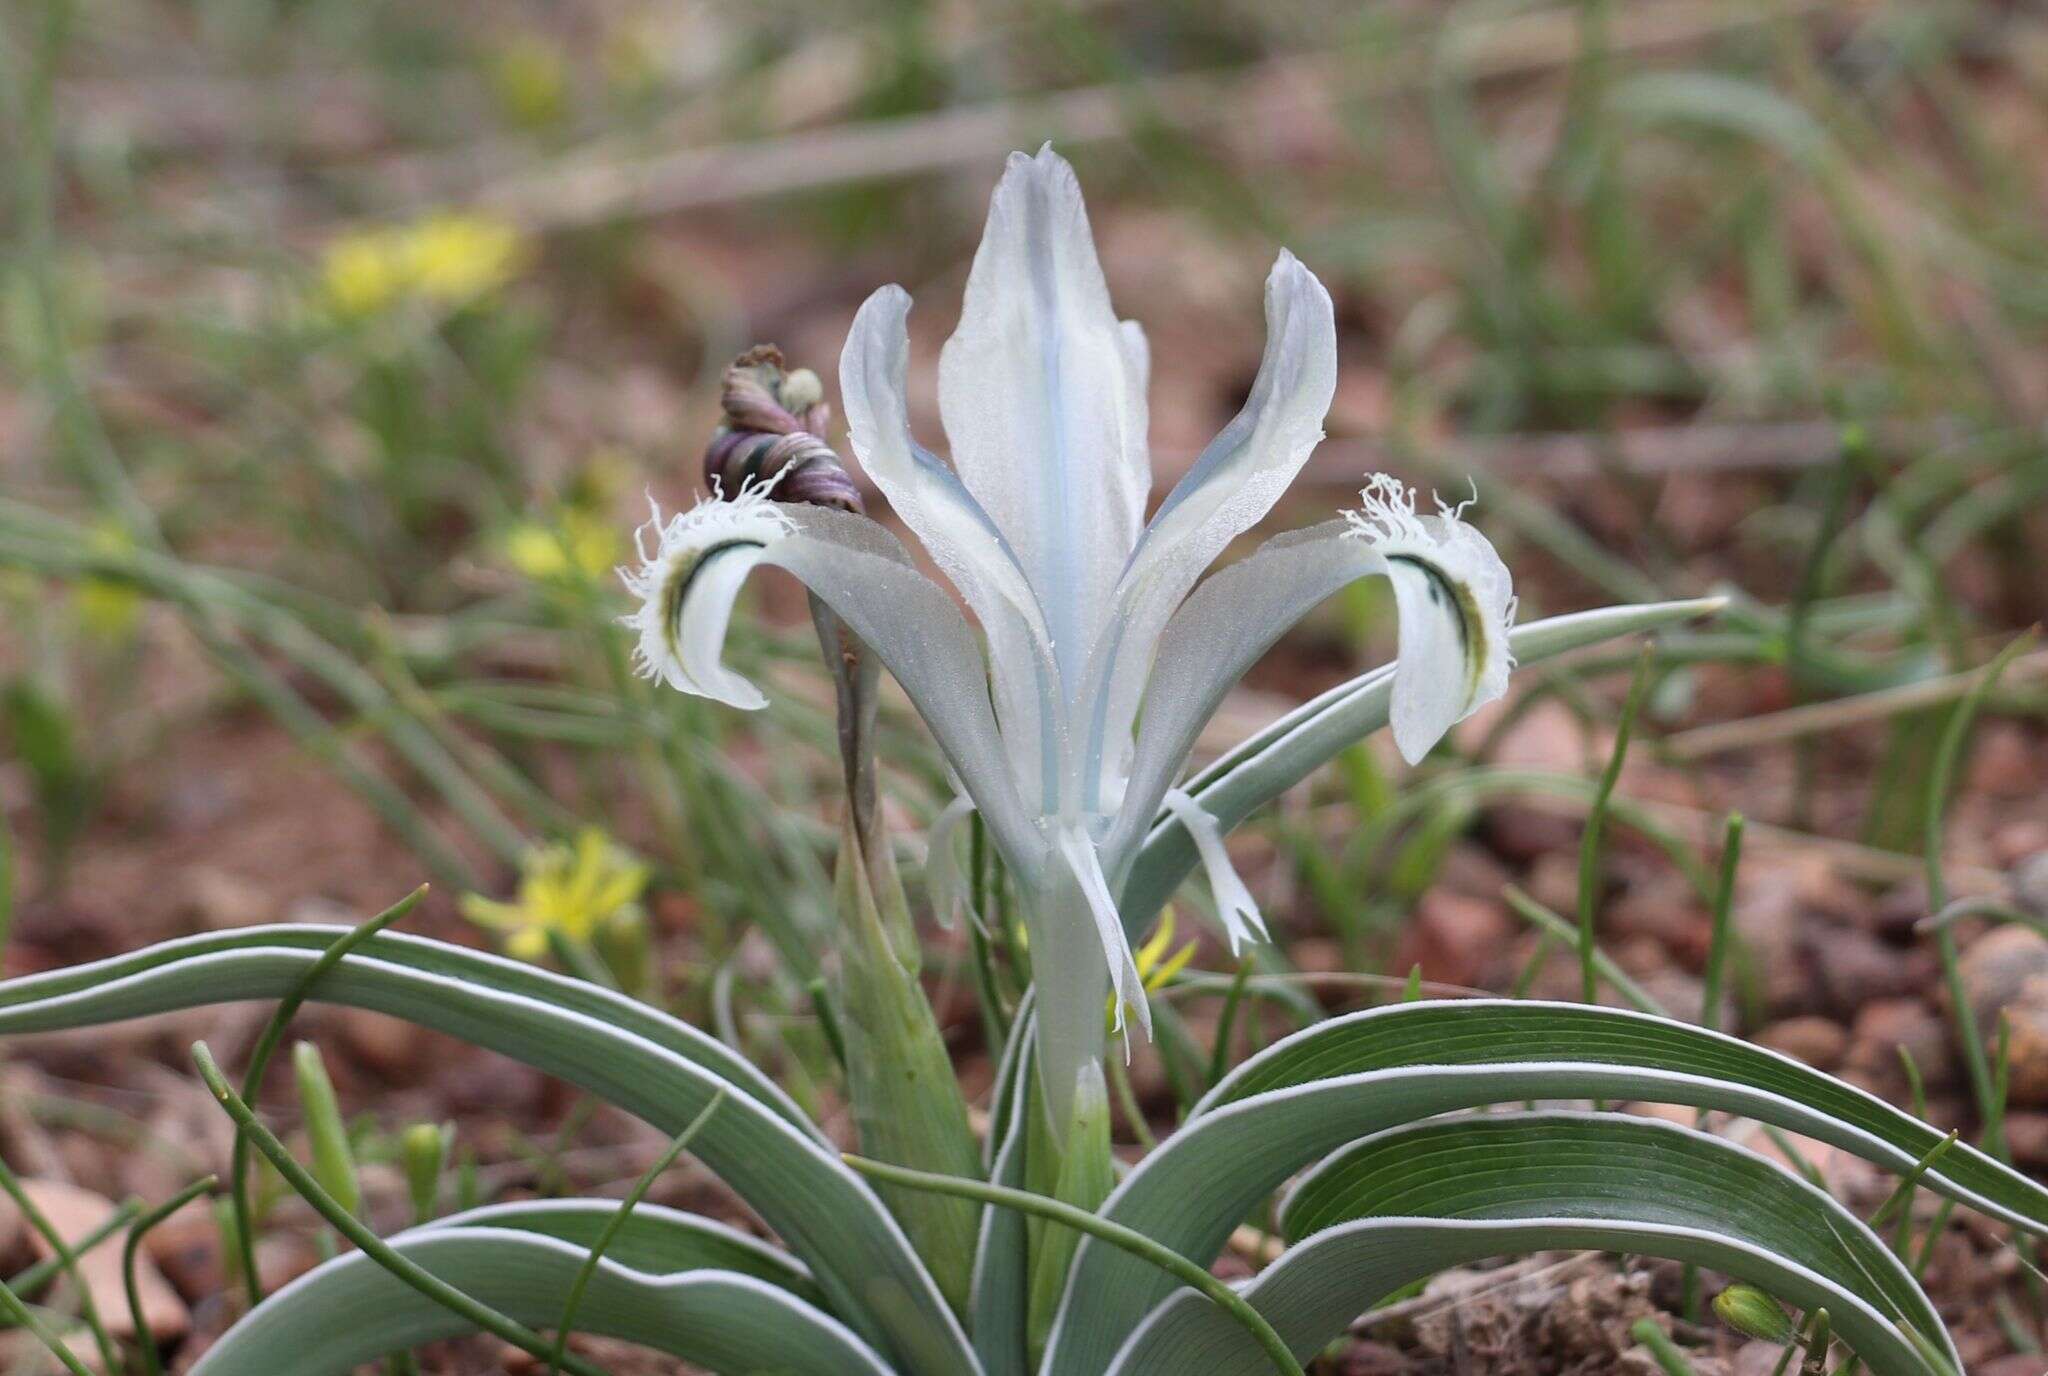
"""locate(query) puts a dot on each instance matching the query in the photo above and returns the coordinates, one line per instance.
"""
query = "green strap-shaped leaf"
(826, 1214)
(1340, 1080)
(1320, 1286)
(351, 1310)
(1493, 1031)
(1605, 1166)
(437, 957)
(1283, 754)
(655, 1239)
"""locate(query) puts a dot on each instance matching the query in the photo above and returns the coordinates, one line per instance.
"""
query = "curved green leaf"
(1603, 1167)
(655, 1239)
(1365, 1073)
(435, 957)
(1283, 754)
(1320, 1286)
(825, 1213)
(351, 1310)
(1494, 1031)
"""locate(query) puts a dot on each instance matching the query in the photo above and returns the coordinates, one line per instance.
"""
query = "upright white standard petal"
(1039, 391)
(1455, 605)
(961, 537)
(1235, 482)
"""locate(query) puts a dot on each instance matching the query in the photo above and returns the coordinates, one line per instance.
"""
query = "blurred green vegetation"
(341, 339)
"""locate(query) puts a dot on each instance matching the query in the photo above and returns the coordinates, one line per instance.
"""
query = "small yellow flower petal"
(564, 890)
(360, 275)
(1163, 976)
(453, 258)
(1148, 954)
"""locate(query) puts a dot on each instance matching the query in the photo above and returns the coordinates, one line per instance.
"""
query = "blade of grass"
(23, 1315)
(1724, 927)
(1596, 824)
(618, 1221)
(1946, 757)
(144, 1337)
(349, 1226)
(259, 1061)
(40, 1221)
(1711, 985)
(33, 1278)
(1226, 1022)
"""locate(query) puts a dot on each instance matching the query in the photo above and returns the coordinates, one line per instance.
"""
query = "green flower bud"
(424, 1149)
(1753, 1313)
(334, 1164)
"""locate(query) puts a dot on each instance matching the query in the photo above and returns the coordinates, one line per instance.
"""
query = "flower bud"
(774, 423)
(334, 1163)
(424, 1149)
(1754, 1314)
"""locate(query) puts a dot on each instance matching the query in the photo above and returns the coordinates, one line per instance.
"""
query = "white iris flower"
(1088, 612)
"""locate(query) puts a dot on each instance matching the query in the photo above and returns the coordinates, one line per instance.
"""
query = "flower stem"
(11, 1304)
(1115, 1234)
(144, 1337)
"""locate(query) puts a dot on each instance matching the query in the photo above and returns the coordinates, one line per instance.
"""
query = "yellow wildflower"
(455, 257)
(568, 890)
(1156, 969)
(360, 274)
(577, 546)
(530, 82)
(107, 607)
(448, 259)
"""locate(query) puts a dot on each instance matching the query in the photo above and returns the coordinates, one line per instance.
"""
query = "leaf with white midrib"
(1320, 1286)
(653, 1238)
(800, 1187)
(1600, 1167)
(1300, 1098)
(351, 1310)
(1492, 1031)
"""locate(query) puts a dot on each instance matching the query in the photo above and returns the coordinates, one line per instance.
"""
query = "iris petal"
(1455, 603)
(1235, 906)
(861, 572)
(1235, 482)
(962, 539)
(1039, 391)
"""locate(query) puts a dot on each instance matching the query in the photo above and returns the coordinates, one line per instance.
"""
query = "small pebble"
(1818, 1041)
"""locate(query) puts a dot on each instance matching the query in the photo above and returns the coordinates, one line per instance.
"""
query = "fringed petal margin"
(691, 575)
(1456, 605)
(691, 568)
